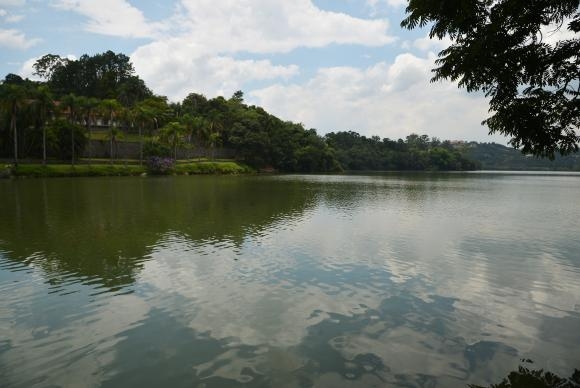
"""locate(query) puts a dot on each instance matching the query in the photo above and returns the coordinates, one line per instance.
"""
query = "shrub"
(153, 148)
(160, 166)
(60, 135)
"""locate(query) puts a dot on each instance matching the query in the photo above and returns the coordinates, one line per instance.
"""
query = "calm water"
(288, 281)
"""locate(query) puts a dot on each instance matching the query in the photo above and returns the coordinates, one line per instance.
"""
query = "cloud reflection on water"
(385, 282)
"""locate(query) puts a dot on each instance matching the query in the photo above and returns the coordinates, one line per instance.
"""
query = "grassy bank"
(85, 170)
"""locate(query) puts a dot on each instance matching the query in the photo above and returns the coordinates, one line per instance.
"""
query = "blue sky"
(331, 64)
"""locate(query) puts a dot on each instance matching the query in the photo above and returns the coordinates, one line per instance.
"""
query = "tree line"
(55, 118)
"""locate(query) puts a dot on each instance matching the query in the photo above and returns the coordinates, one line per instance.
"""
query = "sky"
(333, 65)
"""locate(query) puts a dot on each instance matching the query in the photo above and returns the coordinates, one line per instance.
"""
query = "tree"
(195, 127)
(113, 134)
(500, 47)
(110, 108)
(70, 106)
(89, 107)
(47, 65)
(142, 115)
(106, 75)
(172, 135)
(43, 104)
(63, 131)
(12, 98)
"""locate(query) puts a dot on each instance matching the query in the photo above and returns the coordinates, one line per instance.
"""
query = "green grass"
(216, 167)
(80, 170)
(66, 170)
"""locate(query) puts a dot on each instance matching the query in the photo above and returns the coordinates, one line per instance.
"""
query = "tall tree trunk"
(140, 147)
(13, 125)
(112, 134)
(111, 150)
(44, 145)
(89, 150)
(72, 143)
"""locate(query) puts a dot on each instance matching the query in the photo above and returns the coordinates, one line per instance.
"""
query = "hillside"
(494, 156)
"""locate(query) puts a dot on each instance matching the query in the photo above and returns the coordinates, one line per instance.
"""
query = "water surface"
(424, 280)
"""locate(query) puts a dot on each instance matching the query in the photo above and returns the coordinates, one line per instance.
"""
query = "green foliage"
(223, 168)
(172, 135)
(67, 135)
(152, 148)
(493, 156)
(530, 378)
(60, 170)
(499, 49)
(104, 76)
(102, 91)
(160, 166)
(66, 170)
(356, 152)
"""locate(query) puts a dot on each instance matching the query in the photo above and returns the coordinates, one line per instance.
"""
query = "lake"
(386, 280)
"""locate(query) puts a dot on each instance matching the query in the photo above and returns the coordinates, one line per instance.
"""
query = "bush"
(222, 168)
(160, 166)
(153, 148)
(61, 133)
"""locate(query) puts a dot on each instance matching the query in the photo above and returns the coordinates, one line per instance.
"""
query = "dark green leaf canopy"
(501, 48)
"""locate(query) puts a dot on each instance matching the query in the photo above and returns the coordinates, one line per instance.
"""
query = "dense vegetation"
(100, 97)
(356, 152)
(526, 377)
(492, 156)
(502, 48)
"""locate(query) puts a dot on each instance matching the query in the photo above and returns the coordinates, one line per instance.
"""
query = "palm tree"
(114, 134)
(195, 127)
(214, 126)
(70, 105)
(214, 141)
(110, 108)
(43, 105)
(172, 134)
(12, 98)
(143, 114)
(89, 107)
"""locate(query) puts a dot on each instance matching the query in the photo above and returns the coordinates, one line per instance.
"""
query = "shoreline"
(55, 170)
(36, 170)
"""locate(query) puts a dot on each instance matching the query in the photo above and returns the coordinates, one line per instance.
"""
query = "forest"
(101, 97)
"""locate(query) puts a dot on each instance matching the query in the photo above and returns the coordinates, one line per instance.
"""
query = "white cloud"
(375, 5)
(208, 34)
(111, 17)
(259, 26)
(176, 70)
(14, 18)
(266, 26)
(392, 3)
(15, 39)
(389, 100)
(553, 34)
(27, 69)
(12, 3)
(10, 18)
(428, 44)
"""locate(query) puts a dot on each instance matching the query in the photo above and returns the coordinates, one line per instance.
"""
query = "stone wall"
(100, 149)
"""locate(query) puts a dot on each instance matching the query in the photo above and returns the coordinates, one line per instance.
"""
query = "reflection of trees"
(104, 228)
(529, 378)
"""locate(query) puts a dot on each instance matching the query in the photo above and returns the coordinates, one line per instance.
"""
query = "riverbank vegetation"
(492, 156)
(68, 170)
(98, 102)
(415, 153)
